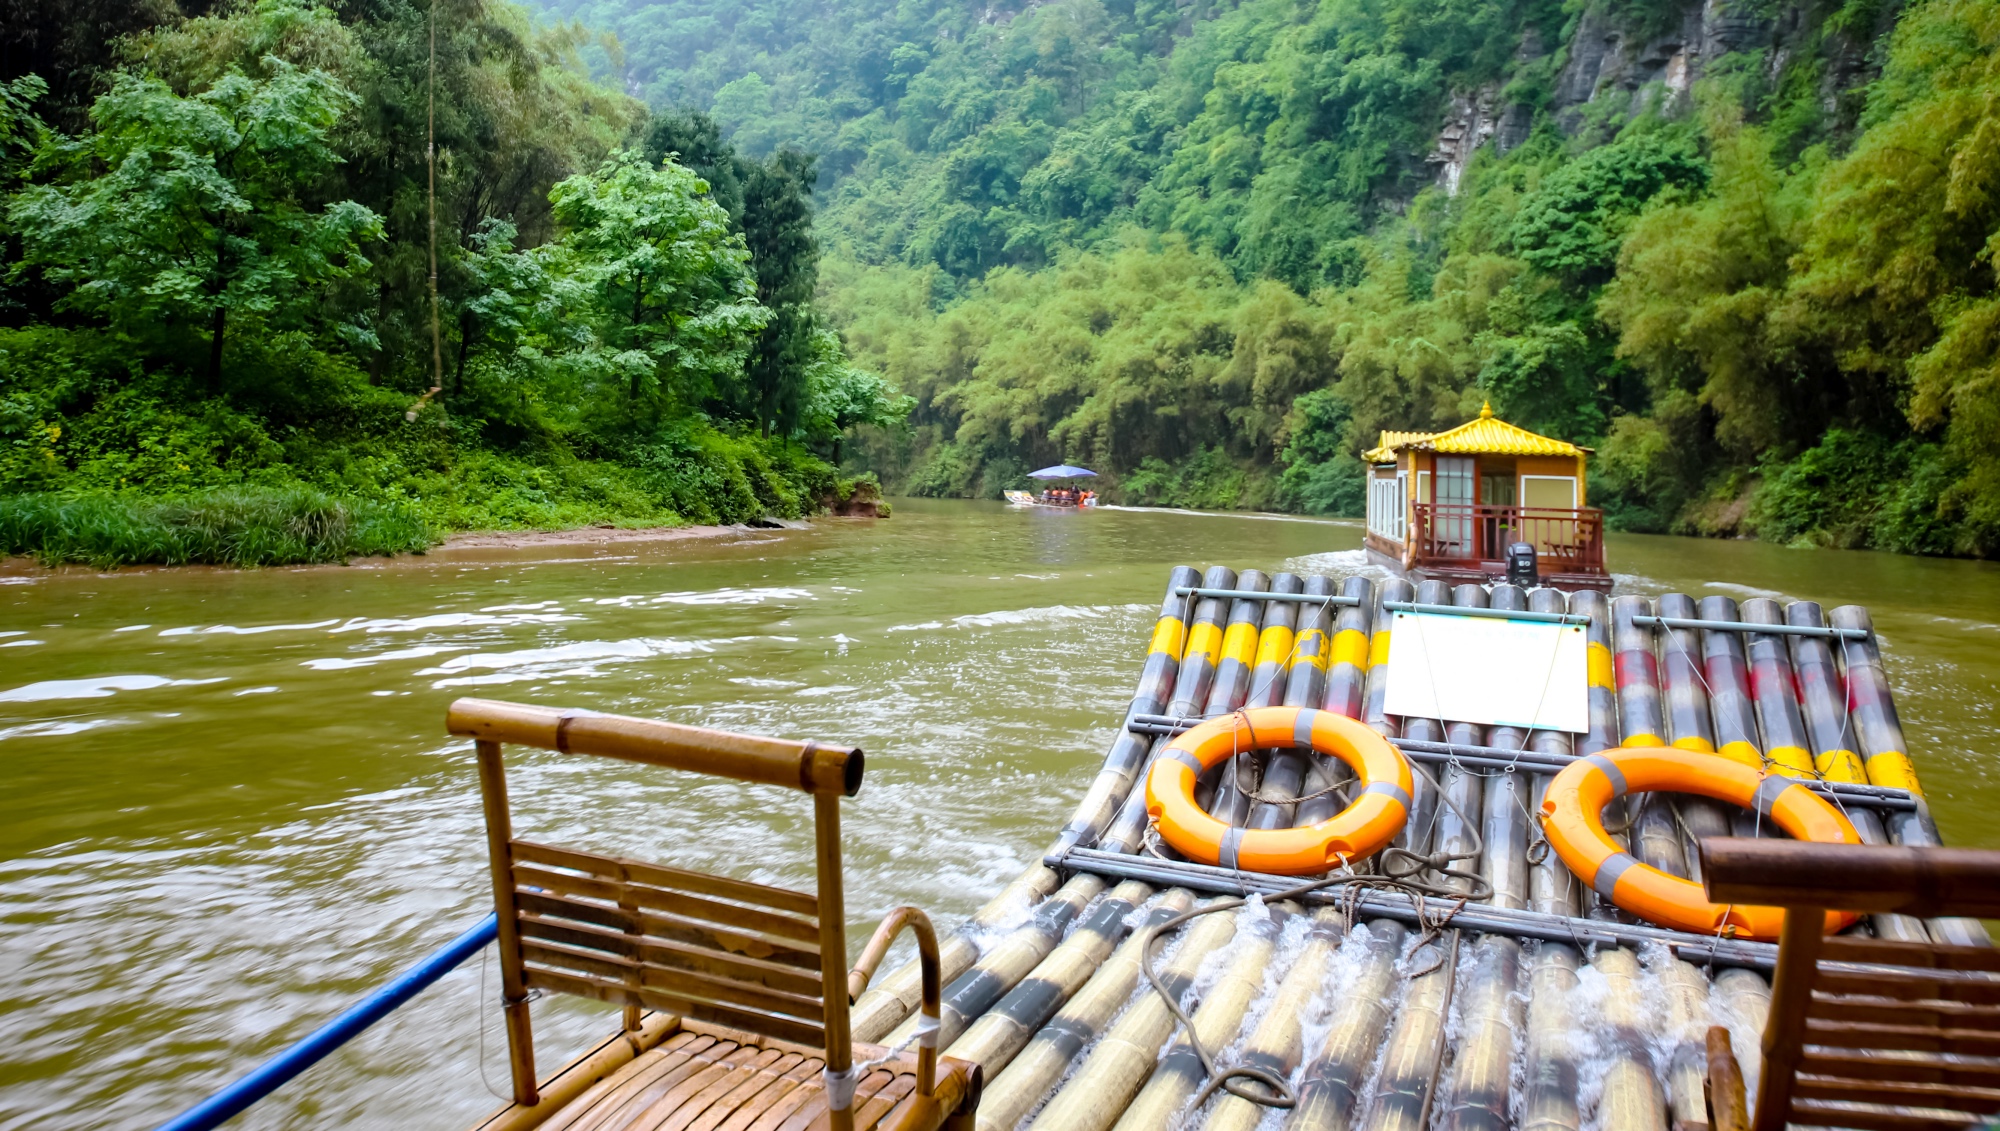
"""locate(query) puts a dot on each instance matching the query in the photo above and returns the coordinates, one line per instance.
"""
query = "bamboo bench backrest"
(650, 936)
(1863, 1032)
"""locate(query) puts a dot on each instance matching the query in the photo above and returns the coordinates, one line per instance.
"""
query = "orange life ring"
(1355, 832)
(1573, 820)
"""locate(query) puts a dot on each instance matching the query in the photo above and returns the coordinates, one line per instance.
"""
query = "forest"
(1744, 248)
(235, 328)
(710, 260)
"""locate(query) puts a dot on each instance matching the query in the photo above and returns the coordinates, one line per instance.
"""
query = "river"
(234, 809)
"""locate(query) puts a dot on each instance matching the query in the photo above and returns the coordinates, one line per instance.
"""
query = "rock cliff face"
(1607, 59)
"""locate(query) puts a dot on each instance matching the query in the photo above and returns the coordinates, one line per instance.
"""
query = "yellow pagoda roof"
(1488, 435)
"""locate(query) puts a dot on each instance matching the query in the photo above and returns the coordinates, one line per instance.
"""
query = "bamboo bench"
(728, 1022)
(1883, 1036)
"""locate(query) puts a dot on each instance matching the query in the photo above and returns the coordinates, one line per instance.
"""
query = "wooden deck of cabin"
(1460, 544)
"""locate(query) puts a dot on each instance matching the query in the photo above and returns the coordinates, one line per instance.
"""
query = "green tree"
(176, 213)
(666, 306)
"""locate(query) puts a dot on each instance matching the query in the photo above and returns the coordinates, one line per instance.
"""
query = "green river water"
(232, 808)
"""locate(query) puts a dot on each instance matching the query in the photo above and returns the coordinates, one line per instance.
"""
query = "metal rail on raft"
(1503, 758)
(275, 1072)
(1488, 614)
(1746, 626)
(1258, 595)
(1421, 910)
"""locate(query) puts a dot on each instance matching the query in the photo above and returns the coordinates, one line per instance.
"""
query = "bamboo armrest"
(1852, 877)
(933, 990)
(808, 766)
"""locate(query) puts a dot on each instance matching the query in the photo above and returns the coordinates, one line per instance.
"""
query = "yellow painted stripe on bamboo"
(1311, 648)
(1643, 740)
(1744, 752)
(1841, 765)
(1240, 643)
(1168, 636)
(1351, 647)
(1791, 761)
(1696, 743)
(1602, 673)
(1378, 652)
(1892, 768)
(1203, 641)
(1274, 646)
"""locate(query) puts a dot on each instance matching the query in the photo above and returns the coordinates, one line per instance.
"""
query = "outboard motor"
(1521, 568)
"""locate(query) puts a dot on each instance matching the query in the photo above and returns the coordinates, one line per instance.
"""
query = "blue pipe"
(220, 1107)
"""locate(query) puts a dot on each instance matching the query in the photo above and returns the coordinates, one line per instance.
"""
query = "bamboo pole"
(1190, 695)
(1333, 1081)
(1688, 724)
(1410, 1065)
(1001, 968)
(808, 766)
(1397, 590)
(1001, 1032)
(1550, 1094)
(1504, 822)
(1686, 1014)
(1022, 1084)
(1305, 683)
(513, 987)
(1784, 1032)
(1885, 755)
(1223, 1006)
(833, 949)
(1552, 888)
(893, 996)
(1632, 1099)
(1346, 693)
(1218, 791)
(1420, 831)
(1276, 1044)
(1823, 698)
(1775, 693)
(1128, 751)
(1483, 1061)
(1113, 1072)
(1460, 810)
(1729, 699)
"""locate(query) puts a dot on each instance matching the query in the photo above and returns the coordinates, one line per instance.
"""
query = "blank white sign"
(1516, 673)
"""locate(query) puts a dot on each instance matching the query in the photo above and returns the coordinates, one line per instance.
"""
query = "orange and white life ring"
(1358, 831)
(1573, 820)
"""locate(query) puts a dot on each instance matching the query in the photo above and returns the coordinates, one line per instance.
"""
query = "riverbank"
(251, 526)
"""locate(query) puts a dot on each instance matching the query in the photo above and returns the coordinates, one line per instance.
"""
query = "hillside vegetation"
(218, 335)
(1744, 248)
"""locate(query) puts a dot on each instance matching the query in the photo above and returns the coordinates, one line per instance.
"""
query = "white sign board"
(1517, 673)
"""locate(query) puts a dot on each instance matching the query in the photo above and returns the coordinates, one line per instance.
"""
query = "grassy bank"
(243, 526)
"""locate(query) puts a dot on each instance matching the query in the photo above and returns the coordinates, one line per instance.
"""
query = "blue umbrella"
(1063, 471)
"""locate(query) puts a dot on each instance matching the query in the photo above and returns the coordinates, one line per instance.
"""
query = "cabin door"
(1453, 526)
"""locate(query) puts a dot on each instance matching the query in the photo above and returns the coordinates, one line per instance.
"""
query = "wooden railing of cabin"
(1567, 540)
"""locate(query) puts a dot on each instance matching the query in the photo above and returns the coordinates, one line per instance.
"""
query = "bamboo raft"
(1507, 994)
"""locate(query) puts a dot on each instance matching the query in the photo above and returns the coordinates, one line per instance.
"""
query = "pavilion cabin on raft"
(1448, 505)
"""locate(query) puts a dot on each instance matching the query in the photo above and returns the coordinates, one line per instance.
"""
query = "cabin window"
(1385, 506)
(1451, 526)
(1552, 492)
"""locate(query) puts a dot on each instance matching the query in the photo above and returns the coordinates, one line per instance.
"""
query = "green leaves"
(178, 212)
(667, 305)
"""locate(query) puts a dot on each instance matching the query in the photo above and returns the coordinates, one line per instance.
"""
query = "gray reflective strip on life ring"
(1765, 800)
(1232, 843)
(1611, 771)
(1175, 754)
(1302, 730)
(1389, 789)
(1609, 871)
